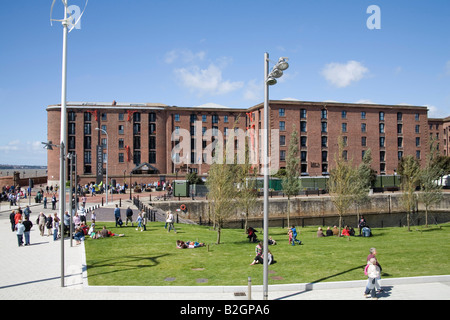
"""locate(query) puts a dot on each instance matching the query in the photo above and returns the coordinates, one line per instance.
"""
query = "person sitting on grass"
(320, 233)
(91, 231)
(189, 244)
(259, 253)
(105, 233)
(329, 232)
(345, 232)
(79, 235)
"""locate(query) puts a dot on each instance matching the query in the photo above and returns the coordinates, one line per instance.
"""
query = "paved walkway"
(34, 272)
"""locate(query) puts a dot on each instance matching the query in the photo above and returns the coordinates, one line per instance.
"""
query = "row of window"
(323, 114)
(214, 118)
(303, 157)
(324, 127)
(121, 156)
(104, 116)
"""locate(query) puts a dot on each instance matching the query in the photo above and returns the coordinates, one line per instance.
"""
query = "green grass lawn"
(148, 258)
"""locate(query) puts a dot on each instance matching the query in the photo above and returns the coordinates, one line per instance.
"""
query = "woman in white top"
(373, 272)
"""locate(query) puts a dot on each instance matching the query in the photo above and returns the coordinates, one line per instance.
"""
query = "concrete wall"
(382, 210)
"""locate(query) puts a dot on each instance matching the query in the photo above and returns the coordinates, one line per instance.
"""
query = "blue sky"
(189, 53)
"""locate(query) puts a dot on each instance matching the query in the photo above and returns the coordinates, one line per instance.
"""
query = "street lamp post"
(62, 199)
(70, 157)
(66, 22)
(107, 155)
(269, 80)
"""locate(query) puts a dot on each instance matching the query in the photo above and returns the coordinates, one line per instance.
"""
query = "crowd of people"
(364, 230)
(50, 225)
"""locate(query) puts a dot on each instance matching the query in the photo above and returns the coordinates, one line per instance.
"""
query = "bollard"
(249, 288)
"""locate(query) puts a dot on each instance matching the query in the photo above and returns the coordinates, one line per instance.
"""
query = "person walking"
(28, 225)
(373, 272)
(27, 212)
(139, 221)
(170, 221)
(294, 236)
(167, 219)
(82, 214)
(129, 214)
(12, 220)
(372, 255)
(56, 227)
(54, 202)
(117, 216)
(41, 223)
(67, 224)
(361, 224)
(20, 229)
(93, 217)
(49, 224)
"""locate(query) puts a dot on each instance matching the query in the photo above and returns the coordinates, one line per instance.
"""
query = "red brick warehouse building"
(139, 136)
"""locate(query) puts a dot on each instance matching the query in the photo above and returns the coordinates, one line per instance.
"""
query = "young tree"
(221, 190)
(247, 195)
(365, 179)
(290, 182)
(409, 169)
(341, 184)
(431, 192)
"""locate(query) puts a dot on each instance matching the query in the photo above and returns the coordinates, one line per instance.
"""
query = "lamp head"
(276, 73)
(271, 81)
(282, 63)
(47, 145)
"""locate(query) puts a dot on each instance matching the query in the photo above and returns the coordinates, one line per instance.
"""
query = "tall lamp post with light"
(62, 198)
(69, 21)
(269, 80)
(107, 155)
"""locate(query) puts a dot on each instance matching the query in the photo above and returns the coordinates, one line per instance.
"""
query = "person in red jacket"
(345, 231)
(17, 217)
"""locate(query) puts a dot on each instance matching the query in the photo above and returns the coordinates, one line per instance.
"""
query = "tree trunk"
(408, 214)
(289, 212)
(246, 220)
(218, 234)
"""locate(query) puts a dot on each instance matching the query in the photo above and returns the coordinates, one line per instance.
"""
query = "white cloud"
(435, 112)
(254, 91)
(10, 146)
(185, 56)
(342, 75)
(206, 81)
(365, 101)
(17, 146)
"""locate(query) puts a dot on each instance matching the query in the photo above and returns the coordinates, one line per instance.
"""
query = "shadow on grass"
(309, 286)
(125, 263)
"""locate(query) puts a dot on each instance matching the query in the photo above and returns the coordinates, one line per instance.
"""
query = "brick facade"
(142, 133)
